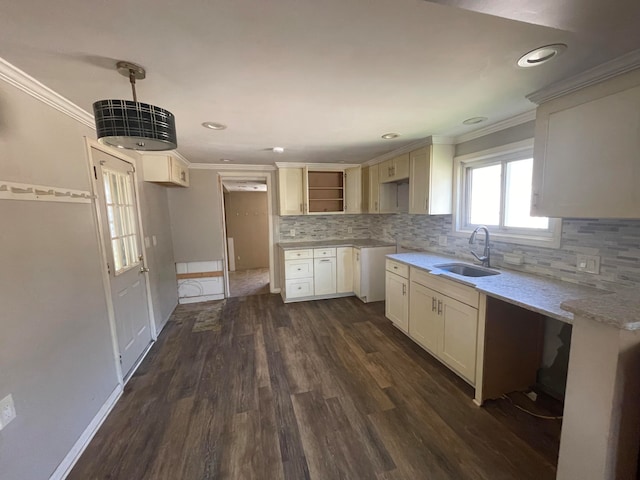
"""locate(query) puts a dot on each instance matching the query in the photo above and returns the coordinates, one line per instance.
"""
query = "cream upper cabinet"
(394, 169)
(374, 190)
(587, 152)
(431, 180)
(353, 190)
(290, 191)
(166, 170)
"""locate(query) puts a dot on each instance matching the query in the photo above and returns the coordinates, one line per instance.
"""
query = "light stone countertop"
(539, 294)
(348, 242)
(620, 309)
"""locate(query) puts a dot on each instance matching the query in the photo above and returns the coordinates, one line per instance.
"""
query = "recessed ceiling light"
(474, 120)
(225, 160)
(214, 125)
(541, 55)
(389, 136)
(277, 149)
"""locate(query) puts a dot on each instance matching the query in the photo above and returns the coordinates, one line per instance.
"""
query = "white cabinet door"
(290, 191)
(324, 276)
(344, 269)
(459, 336)
(353, 190)
(586, 162)
(357, 272)
(397, 300)
(431, 180)
(425, 325)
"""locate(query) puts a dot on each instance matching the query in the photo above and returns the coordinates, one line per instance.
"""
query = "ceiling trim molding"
(623, 64)
(423, 142)
(217, 166)
(25, 82)
(317, 166)
(496, 127)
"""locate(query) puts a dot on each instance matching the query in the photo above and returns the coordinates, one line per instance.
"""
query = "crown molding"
(423, 142)
(173, 153)
(496, 127)
(217, 166)
(623, 64)
(317, 166)
(25, 82)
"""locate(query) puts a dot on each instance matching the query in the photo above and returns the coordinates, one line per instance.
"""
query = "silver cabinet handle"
(301, 207)
(433, 304)
(324, 261)
(404, 289)
(439, 307)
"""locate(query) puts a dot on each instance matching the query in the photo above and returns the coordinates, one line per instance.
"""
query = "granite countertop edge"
(349, 242)
(555, 298)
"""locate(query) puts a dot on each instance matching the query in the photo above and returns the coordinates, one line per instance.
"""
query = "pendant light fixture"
(131, 124)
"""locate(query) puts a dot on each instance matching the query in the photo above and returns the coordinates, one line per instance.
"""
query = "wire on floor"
(544, 417)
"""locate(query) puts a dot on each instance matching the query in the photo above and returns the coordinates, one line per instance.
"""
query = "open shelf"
(326, 192)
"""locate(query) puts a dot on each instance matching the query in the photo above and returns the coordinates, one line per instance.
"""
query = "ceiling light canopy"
(390, 136)
(277, 149)
(474, 120)
(131, 124)
(214, 125)
(541, 55)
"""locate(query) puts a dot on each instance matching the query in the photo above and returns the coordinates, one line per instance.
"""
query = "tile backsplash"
(617, 242)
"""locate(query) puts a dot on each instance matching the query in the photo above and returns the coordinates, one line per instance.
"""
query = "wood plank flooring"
(314, 390)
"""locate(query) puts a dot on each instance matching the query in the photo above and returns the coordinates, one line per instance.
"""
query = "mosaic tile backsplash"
(617, 242)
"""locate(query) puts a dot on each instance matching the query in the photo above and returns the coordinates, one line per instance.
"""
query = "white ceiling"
(322, 79)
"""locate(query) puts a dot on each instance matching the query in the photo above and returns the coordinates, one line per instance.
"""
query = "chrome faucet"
(486, 255)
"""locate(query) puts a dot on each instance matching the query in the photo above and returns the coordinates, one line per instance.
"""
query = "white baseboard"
(164, 322)
(201, 298)
(81, 444)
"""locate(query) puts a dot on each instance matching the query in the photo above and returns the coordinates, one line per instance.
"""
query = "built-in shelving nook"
(326, 192)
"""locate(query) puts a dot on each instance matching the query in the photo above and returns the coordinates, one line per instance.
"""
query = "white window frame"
(523, 236)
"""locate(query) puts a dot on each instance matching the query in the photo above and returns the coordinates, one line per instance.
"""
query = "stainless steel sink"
(466, 270)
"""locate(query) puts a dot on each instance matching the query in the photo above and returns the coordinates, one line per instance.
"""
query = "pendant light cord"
(132, 80)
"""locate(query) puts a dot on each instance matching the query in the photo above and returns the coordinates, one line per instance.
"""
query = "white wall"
(56, 354)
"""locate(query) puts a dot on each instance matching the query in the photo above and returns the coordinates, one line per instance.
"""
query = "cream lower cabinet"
(298, 274)
(443, 318)
(324, 275)
(397, 294)
(344, 269)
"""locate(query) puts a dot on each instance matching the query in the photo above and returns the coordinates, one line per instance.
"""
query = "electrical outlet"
(292, 232)
(442, 240)
(7, 411)
(588, 263)
(349, 229)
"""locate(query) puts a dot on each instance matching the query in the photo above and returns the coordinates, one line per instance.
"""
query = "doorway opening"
(246, 217)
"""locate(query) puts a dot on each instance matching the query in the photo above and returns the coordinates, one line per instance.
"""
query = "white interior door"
(119, 216)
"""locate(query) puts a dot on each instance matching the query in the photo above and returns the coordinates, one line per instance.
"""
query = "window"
(122, 219)
(494, 189)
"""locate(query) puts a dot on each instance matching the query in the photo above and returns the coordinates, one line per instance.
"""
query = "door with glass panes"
(127, 275)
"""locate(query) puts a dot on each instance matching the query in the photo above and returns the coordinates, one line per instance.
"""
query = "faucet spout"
(486, 255)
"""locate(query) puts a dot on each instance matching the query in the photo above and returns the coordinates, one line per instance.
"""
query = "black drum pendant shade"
(131, 124)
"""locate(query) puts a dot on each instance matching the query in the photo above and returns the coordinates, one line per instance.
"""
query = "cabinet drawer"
(302, 287)
(457, 291)
(397, 268)
(298, 269)
(293, 254)
(324, 252)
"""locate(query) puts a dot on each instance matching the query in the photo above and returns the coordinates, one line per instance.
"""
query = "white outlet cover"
(7, 411)
(350, 230)
(442, 240)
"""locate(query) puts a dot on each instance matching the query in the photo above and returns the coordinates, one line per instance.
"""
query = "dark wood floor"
(323, 390)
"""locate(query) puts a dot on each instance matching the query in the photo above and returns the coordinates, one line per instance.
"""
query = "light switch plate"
(349, 229)
(155, 240)
(7, 411)
(588, 263)
(292, 232)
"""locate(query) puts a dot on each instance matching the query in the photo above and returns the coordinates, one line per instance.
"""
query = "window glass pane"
(518, 196)
(484, 195)
(117, 258)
